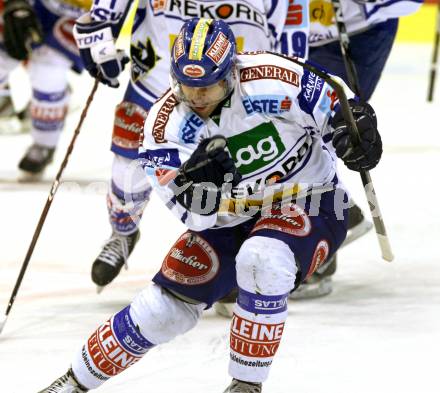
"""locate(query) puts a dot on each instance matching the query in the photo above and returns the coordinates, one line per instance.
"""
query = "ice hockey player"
(256, 25)
(42, 34)
(261, 137)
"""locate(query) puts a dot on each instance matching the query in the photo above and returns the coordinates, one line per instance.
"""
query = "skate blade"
(356, 232)
(311, 291)
(99, 289)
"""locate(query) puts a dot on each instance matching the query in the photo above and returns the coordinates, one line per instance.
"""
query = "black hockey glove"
(21, 28)
(209, 163)
(363, 156)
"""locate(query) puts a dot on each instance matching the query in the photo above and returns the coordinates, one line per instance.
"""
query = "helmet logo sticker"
(179, 47)
(219, 49)
(193, 71)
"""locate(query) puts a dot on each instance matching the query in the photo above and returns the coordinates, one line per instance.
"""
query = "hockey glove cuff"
(97, 48)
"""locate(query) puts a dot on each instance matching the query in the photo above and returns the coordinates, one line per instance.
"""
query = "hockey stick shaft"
(47, 206)
(373, 202)
(433, 71)
(344, 41)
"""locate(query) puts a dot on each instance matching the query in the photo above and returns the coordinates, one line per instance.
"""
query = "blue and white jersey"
(274, 122)
(312, 22)
(257, 24)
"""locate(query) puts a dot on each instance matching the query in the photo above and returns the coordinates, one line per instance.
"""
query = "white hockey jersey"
(257, 24)
(312, 22)
(274, 122)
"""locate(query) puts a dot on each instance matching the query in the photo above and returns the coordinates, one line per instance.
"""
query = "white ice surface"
(379, 331)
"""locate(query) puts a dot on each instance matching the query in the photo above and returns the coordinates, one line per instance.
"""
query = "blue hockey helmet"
(202, 55)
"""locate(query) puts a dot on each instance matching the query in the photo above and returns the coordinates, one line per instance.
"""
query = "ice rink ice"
(378, 332)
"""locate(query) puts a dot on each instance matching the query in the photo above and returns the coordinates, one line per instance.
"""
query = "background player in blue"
(256, 117)
(41, 32)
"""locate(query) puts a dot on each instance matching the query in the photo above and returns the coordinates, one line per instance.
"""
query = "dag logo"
(255, 148)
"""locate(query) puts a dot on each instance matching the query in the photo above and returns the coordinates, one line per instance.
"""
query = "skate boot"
(225, 306)
(237, 386)
(357, 226)
(319, 284)
(65, 384)
(36, 159)
(113, 256)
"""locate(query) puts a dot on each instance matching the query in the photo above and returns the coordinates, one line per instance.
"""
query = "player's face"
(203, 100)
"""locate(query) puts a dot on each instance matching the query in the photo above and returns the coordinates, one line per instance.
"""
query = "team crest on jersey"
(269, 104)
(219, 49)
(256, 148)
(194, 70)
(144, 59)
(269, 71)
(191, 261)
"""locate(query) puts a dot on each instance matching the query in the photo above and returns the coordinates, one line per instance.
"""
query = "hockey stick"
(433, 72)
(353, 80)
(370, 193)
(46, 208)
(344, 41)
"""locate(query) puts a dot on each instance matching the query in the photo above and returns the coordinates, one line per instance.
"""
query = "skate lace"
(115, 248)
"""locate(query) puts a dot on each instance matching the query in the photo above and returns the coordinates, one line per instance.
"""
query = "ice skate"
(65, 384)
(113, 256)
(358, 225)
(319, 284)
(35, 161)
(237, 386)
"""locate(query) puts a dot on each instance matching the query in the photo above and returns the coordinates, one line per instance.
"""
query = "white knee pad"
(161, 316)
(266, 266)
